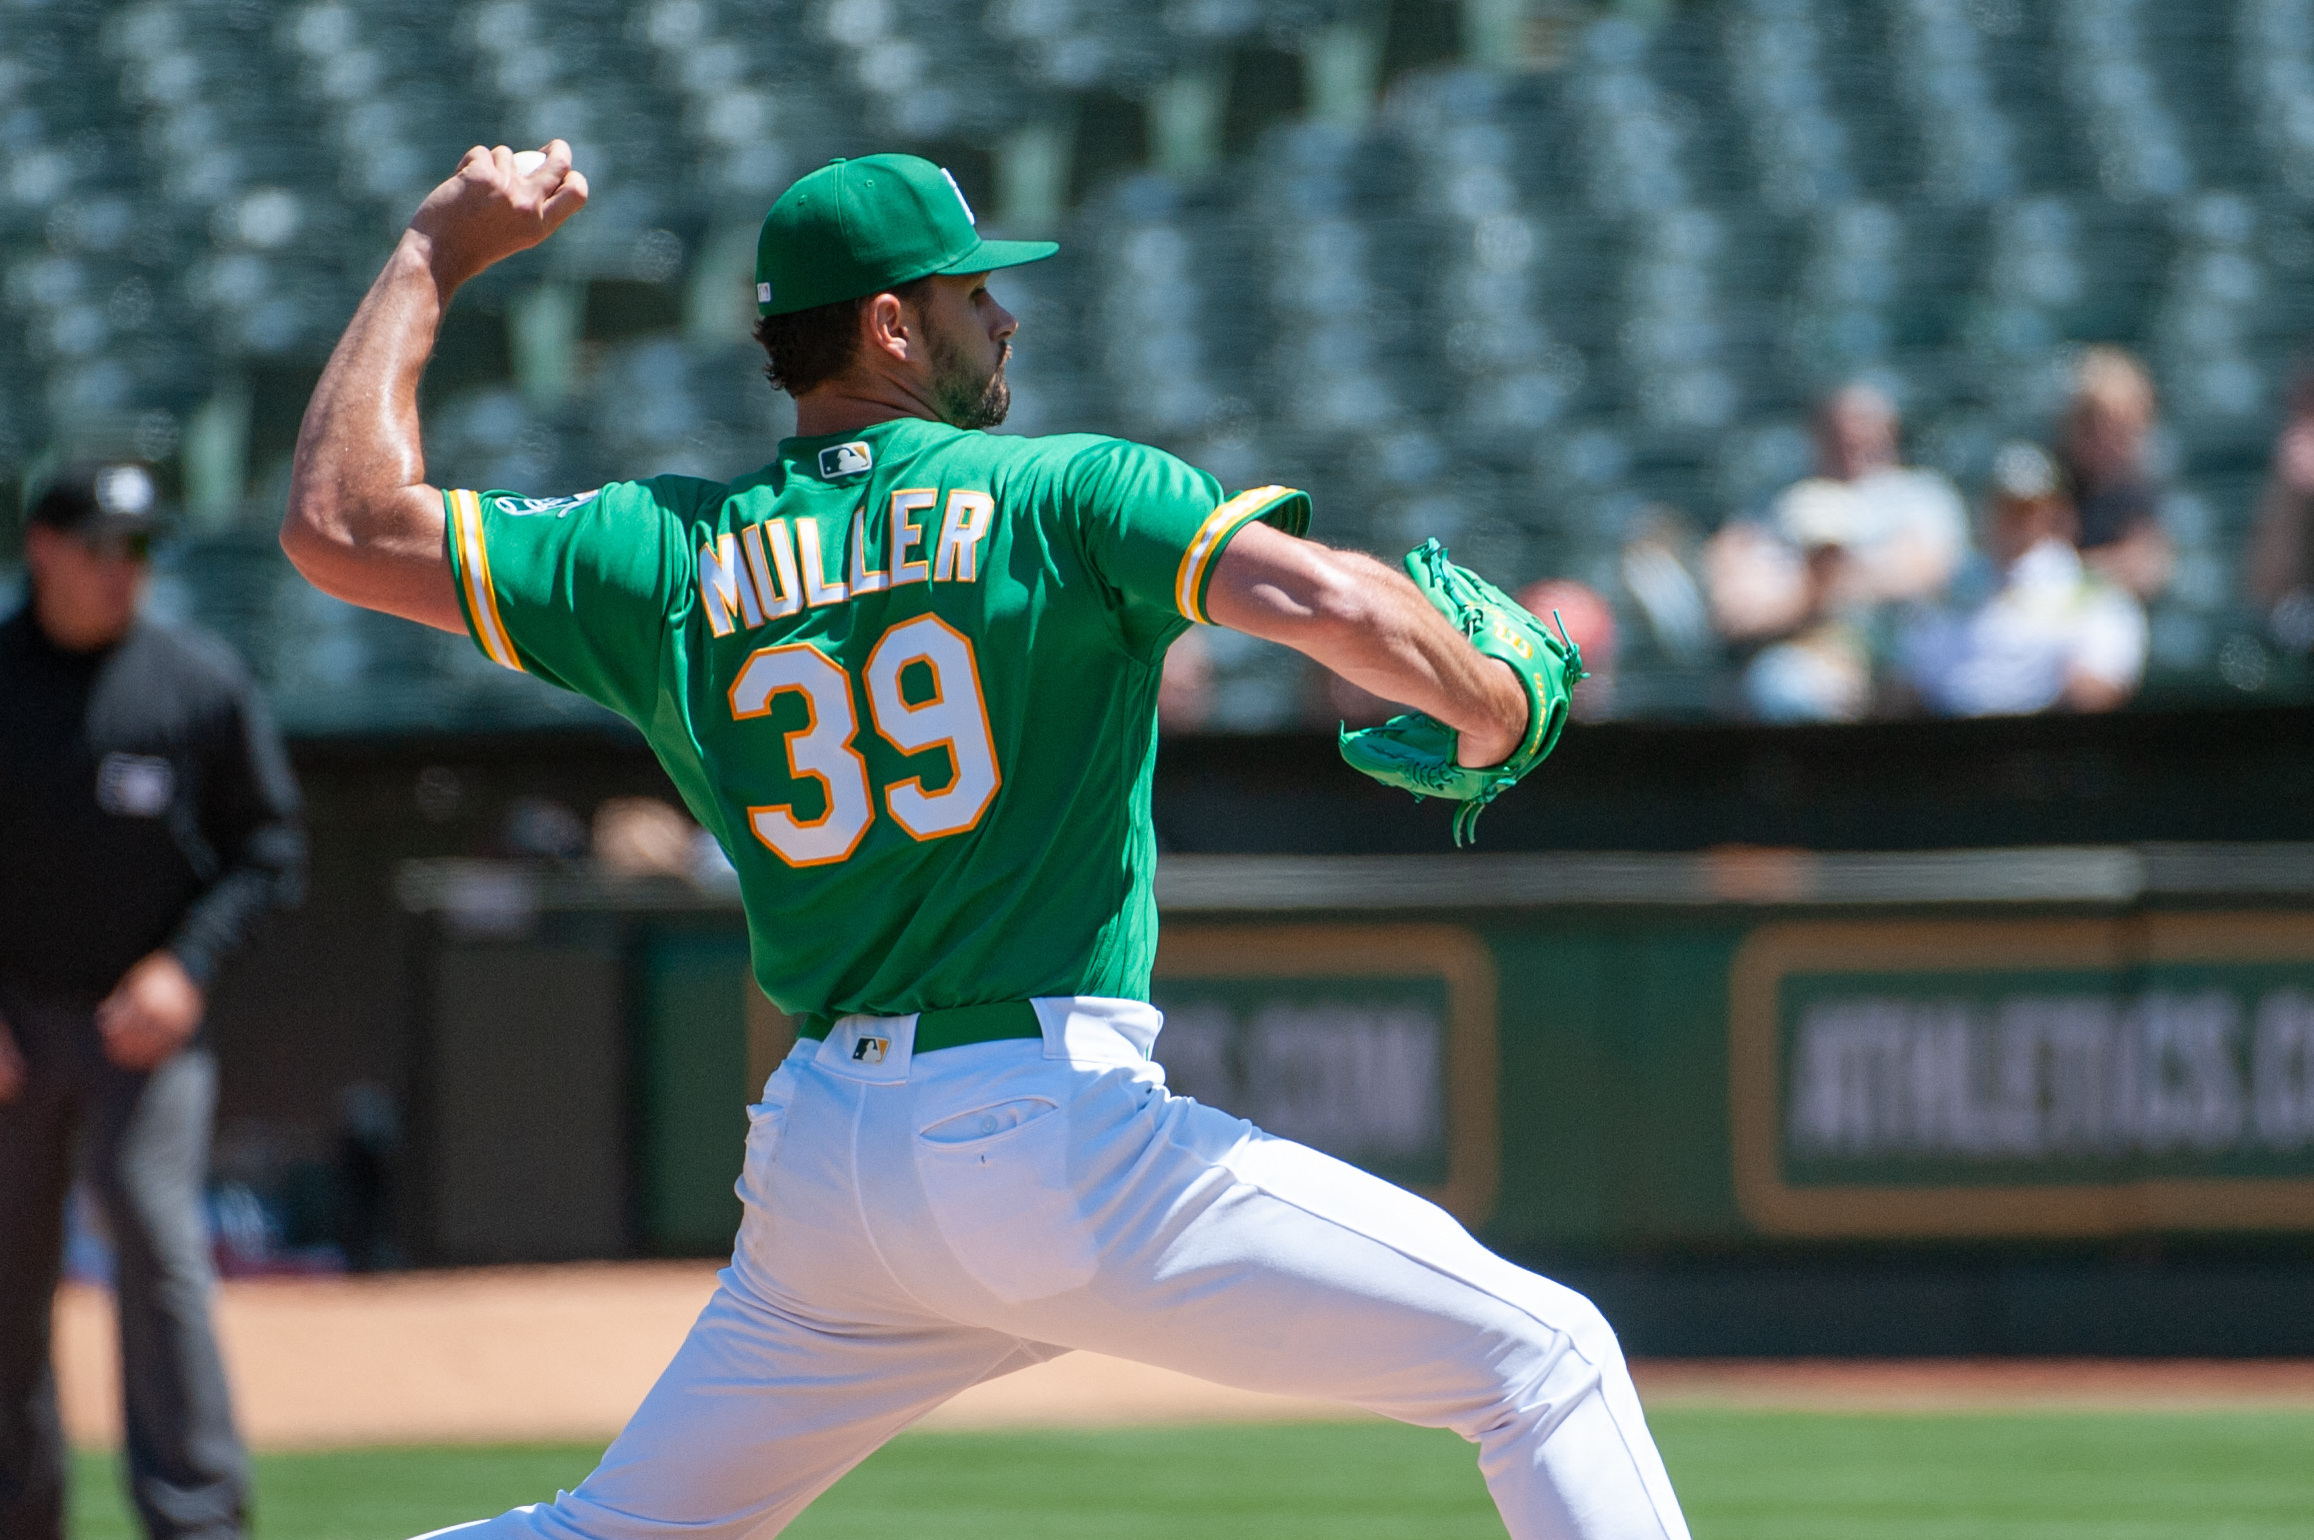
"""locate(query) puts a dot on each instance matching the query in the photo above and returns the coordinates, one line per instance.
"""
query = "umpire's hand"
(151, 1013)
(488, 210)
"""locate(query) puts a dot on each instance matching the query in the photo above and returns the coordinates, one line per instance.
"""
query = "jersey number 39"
(955, 719)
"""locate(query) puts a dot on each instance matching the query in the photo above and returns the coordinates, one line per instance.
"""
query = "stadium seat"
(1615, 277)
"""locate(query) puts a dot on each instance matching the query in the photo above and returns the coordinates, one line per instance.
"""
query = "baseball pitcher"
(907, 673)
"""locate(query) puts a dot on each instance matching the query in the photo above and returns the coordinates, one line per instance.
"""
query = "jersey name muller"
(774, 568)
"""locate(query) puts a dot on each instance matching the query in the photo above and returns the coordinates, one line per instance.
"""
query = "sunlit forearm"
(362, 523)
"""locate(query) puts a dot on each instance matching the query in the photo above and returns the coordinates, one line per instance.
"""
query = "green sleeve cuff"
(470, 570)
(1282, 507)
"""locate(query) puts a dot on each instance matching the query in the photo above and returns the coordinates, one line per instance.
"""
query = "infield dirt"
(501, 1355)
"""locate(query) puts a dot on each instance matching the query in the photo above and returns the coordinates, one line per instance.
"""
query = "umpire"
(147, 817)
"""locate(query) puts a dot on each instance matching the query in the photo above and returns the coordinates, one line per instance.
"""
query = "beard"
(964, 396)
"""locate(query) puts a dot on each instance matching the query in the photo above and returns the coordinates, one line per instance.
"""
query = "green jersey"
(908, 678)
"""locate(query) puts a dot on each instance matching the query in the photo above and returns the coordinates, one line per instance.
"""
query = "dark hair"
(808, 348)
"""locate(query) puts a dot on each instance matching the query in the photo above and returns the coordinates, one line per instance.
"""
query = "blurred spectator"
(643, 837)
(1185, 692)
(1757, 582)
(2047, 631)
(2105, 446)
(1807, 587)
(2278, 568)
(1904, 530)
(1780, 602)
(1822, 670)
(1590, 625)
(1655, 568)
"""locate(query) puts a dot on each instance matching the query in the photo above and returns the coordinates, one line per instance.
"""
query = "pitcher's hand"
(488, 210)
(11, 1065)
(151, 1013)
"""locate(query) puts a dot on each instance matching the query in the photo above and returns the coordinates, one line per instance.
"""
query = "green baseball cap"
(857, 227)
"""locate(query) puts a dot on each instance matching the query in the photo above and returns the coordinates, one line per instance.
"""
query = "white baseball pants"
(914, 1227)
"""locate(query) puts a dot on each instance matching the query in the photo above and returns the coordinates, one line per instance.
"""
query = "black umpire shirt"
(145, 802)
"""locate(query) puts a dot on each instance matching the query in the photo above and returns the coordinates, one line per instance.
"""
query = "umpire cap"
(96, 499)
(858, 227)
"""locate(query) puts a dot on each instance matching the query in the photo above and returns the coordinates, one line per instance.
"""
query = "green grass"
(2019, 1476)
(357, 1494)
(1743, 1475)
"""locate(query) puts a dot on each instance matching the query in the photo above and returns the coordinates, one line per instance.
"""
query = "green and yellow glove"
(1416, 752)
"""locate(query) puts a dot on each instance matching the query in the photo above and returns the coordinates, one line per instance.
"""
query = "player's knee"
(1587, 1325)
(1562, 1319)
(1565, 1354)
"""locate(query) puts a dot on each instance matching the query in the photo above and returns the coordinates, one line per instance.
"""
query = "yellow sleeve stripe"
(474, 572)
(1212, 535)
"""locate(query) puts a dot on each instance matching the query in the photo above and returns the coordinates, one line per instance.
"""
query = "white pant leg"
(803, 1363)
(1102, 1213)
(917, 1227)
(1325, 1281)
(758, 1414)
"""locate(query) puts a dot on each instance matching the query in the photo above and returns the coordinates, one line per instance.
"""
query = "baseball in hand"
(527, 161)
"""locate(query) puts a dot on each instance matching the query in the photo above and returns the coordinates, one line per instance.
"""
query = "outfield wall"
(1757, 1097)
(1897, 1078)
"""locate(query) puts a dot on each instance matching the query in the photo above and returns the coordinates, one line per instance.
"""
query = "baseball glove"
(1416, 751)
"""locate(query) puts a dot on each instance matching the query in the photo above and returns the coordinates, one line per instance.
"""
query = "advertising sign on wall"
(1373, 1043)
(2043, 1077)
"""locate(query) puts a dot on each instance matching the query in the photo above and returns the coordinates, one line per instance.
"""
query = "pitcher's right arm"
(363, 524)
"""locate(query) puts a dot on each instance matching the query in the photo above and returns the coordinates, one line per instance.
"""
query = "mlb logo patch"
(871, 1050)
(841, 460)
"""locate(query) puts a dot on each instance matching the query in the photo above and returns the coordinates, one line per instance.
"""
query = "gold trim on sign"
(1446, 952)
(1755, 1090)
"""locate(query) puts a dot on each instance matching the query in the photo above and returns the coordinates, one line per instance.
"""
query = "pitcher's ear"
(884, 325)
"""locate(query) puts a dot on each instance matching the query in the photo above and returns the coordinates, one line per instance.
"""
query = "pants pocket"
(997, 1177)
(766, 1130)
(983, 1124)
